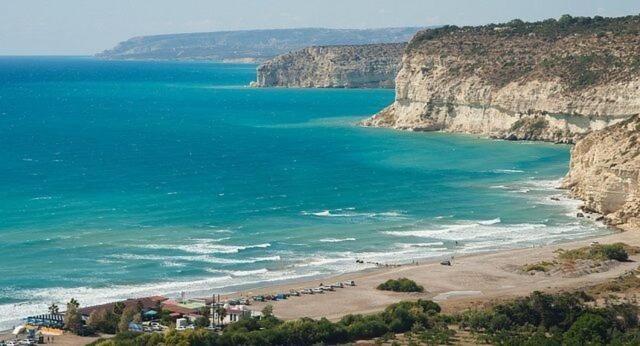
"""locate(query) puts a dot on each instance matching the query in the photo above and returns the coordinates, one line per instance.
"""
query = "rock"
(353, 66)
(529, 82)
(605, 172)
(580, 215)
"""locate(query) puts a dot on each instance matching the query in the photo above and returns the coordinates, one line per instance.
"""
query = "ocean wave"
(508, 171)
(352, 214)
(241, 273)
(490, 222)
(336, 240)
(433, 245)
(207, 246)
(41, 198)
(200, 258)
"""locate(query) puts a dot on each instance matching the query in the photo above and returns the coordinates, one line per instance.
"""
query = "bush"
(589, 329)
(400, 285)
(617, 251)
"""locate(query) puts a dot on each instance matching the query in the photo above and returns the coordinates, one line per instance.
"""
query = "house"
(233, 313)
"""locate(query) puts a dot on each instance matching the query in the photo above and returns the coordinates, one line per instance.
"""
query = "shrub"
(400, 285)
(617, 251)
(589, 329)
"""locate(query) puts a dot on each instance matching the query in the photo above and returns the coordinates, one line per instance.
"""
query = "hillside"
(350, 66)
(553, 80)
(248, 45)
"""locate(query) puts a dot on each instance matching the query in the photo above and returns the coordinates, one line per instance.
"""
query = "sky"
(82, 27)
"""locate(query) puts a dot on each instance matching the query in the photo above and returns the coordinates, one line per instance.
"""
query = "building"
(233, 313)
(146, 303)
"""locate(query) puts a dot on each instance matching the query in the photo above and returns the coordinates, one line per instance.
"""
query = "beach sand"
(472, 280)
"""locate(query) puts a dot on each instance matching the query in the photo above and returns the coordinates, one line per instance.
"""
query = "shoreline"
(472, 279)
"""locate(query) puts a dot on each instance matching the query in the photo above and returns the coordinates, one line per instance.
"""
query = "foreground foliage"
(421, 316)
(560, 319)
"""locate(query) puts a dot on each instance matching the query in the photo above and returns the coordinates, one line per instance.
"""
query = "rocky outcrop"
(554, 80)
(605, 172)
(353, 66)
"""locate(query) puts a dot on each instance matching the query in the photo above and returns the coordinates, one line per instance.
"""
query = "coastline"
(472, 280)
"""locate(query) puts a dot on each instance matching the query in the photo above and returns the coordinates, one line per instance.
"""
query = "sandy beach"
(472, 280)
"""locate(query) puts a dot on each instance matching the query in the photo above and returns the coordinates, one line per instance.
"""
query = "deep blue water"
(122, 179)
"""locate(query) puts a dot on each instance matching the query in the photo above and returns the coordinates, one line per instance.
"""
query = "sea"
(123, 179)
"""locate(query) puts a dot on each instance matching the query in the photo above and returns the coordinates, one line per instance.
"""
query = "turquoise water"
(123, 179)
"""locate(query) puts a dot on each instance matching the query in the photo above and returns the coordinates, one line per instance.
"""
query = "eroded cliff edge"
(605, 172)
(350, 66)
(553, 80)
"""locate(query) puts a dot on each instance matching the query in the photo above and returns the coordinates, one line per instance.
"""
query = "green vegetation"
(420, 318)
(560, 319)
(550, 28)
(400, 285)
(618, 251)
(543, 266)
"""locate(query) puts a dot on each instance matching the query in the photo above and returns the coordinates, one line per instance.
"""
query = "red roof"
(146, 303)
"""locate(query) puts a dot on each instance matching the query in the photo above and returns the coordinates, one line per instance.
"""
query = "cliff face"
(247, 45)
(552, 80)
(605, 172)
(354, 66)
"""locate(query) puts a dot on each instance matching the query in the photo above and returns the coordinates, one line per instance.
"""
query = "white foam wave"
(508, 171)
(349, 213)
(200, 258)
(490, 222)
(206, 247)
(433, 245)
(241, 273)
(41, 198)
(336, 240)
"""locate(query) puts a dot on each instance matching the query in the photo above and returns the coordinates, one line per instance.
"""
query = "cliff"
(605, 172)
(553, 80)
(247, 45)
(353, 66)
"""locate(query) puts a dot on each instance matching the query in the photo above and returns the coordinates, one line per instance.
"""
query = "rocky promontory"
(605, 172)
(554, 80)
(351, 66)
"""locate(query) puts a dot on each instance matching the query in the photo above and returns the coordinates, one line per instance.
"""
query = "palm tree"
(222, 313)
(73, 302)
(53, 309)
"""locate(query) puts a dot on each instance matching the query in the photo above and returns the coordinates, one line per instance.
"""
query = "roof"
(179, 309)
(146, 303)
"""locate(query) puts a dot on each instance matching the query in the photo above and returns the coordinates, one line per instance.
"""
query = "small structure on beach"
(47, 320)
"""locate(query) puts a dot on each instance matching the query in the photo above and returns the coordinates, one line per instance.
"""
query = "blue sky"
(88, 26)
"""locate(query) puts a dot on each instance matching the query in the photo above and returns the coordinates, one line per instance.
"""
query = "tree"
(54, 309)
(130, 314)
(103, 321)
(72, 317)
(201, 322)
(118, 308)
(267, 311)
(222, 313)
